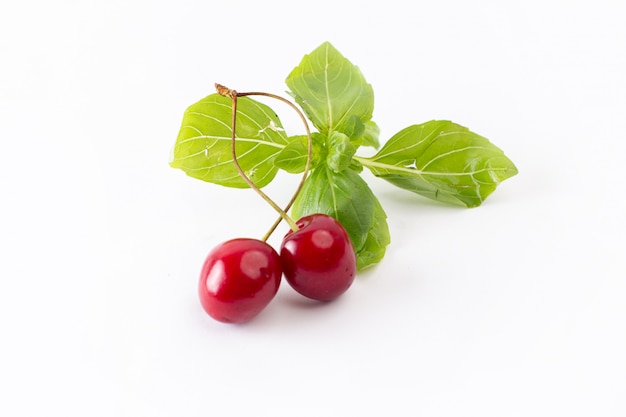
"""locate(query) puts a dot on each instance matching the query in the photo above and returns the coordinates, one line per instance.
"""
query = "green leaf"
(293, 157)
(442, 161)
(362, 134)
(354, 128)
(375, 246)
(356, 166)
(340, 152)
(203, 146)
(331, 90)
(343, 195)
(370, 135)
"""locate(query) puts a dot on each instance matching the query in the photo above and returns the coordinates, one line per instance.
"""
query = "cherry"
(238, 280)
(318, 259)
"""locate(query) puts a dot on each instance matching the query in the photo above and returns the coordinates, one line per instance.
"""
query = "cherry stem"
(227, 92)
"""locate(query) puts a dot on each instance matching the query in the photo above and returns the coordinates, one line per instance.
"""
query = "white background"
(514, 308)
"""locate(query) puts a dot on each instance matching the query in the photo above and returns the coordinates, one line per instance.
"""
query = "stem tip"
(225, 91)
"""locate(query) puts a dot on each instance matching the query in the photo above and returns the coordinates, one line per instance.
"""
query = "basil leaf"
(353, 128)
(356, 166)
(362, 134)
(203, 146)
(370, 135)
(331, 90)
(442, 161)
(378, 238)
(293, 157)
(340, 152)
(343, 195)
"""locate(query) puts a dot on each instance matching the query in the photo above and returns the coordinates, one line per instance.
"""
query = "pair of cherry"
(241, 276)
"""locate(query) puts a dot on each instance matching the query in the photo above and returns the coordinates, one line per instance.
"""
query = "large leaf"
(203, 146)
(443, 161)
(345, 196)
(331, 90)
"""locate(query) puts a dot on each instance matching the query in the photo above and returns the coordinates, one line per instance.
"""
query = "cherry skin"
(318, 259)
(238, 280)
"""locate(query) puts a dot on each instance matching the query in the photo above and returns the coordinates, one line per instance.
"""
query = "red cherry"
(318, 259)
(239, 279)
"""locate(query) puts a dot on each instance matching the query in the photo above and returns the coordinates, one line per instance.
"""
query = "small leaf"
(203, 146)
(331, 90)
(293, 157)
(363, 134)
(344, 196)
(370, 135)
(354, 128)
(442, 161)
(340, 152)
